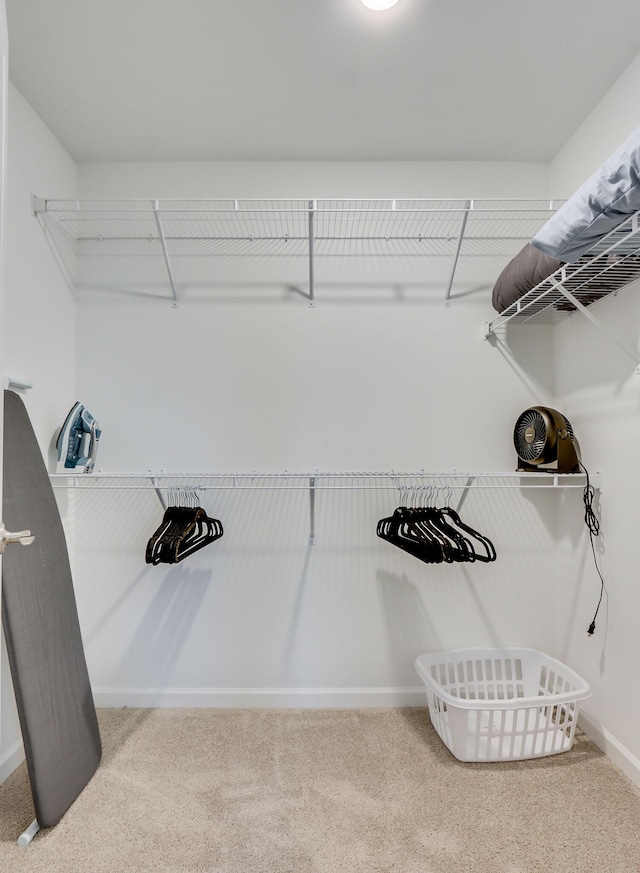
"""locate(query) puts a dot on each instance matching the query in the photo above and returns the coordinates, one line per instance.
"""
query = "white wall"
(244, 375)
(38, 330)
(599, 391)
(315, 179)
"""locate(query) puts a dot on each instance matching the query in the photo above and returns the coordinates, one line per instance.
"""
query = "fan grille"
(530, 435)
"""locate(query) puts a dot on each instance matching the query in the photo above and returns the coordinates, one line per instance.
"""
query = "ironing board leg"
(26, 836)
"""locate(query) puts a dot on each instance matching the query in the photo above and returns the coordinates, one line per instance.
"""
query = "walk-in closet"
(324, 484)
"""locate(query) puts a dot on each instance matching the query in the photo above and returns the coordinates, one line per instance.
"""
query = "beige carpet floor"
(322, 791)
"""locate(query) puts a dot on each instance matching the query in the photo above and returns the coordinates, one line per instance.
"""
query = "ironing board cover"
(40, 620)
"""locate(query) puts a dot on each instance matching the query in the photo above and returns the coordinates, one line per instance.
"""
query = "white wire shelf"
(611, 264)
(288, 220)
(174, 231)
(322, 480)
(413, 488)
(309, 228)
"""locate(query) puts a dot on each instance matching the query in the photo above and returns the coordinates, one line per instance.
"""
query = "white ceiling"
(144, 80)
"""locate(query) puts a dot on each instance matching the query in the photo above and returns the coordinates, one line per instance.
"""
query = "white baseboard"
(11, 759)
(621, 757)
(275, 698)
(290, 698)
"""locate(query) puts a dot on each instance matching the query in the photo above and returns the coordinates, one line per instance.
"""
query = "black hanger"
(408, 529)
(435, 534)
(203, 531)
(183, 530)
(461, 548)
(454, 545)
(175, 525)
(489, 553)
(400, 531)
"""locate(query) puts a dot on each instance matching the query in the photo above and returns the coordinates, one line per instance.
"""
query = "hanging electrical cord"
(593, 526)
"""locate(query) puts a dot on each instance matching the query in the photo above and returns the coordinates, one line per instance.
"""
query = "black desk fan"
(544, 441)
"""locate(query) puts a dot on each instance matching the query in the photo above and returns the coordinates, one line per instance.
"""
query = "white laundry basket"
(502, 704)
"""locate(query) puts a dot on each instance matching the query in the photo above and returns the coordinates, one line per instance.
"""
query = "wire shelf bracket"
(165, 253)
(312, 208)
(600, 326)
(463, 225)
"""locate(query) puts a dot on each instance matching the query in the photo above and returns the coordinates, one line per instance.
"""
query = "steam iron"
(77, 442)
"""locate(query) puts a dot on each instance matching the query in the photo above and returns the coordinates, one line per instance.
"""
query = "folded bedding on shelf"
(607, 197)
(526, 270)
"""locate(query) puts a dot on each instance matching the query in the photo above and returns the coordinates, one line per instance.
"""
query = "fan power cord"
(593, 526)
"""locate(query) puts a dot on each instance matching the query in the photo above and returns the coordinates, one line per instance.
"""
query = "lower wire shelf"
(413, 487)
(389, 480)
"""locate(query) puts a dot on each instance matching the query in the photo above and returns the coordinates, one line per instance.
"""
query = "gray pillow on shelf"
(609, 196)
(529, 267)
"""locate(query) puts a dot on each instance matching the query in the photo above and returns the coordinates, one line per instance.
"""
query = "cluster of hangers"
(185, 528)
(434, 534)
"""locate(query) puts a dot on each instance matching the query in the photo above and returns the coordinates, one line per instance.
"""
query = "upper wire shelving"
(311, 228)
(490, 231)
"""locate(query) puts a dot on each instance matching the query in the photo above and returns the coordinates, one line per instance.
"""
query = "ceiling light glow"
(379, 5)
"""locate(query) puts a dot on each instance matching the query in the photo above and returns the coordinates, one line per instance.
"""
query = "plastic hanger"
(463, 550)
(183, 530)
(435, 535)
(404, 530)
(489, 553)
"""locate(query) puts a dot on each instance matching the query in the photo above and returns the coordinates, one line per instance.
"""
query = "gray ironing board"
(40, 620)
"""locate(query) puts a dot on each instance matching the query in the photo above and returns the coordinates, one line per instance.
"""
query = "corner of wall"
(602, 131)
